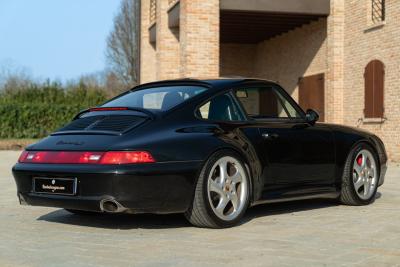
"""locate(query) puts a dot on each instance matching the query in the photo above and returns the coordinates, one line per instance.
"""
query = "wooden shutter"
(312, 94)
(374, 87)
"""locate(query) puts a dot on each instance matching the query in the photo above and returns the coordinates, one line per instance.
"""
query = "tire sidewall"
(206, 172)
(355, 152)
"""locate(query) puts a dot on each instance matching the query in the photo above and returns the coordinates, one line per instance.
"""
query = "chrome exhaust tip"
(111, 205)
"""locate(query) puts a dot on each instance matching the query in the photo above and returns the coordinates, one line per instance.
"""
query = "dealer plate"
(57, 186)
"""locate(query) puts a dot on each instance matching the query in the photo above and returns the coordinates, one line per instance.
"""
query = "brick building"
(341, 57)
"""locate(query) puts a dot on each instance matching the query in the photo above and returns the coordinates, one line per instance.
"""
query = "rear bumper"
(145, 188)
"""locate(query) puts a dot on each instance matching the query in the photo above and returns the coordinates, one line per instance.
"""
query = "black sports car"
(205, 148)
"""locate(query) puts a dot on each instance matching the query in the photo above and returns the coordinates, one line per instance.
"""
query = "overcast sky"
(57, 39)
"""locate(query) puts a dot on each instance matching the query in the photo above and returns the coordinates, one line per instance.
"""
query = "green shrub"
(36, 111)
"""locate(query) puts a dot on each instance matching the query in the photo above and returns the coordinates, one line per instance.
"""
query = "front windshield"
(156, 98)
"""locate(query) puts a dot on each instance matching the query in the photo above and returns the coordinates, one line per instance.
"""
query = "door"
(312, 94)
(295, 153)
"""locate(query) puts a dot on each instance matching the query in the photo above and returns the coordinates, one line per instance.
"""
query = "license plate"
(57, 186)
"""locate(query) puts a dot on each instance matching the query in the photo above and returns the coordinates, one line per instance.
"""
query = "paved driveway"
(308, 233)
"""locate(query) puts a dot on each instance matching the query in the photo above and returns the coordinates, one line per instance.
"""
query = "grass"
(15, 144)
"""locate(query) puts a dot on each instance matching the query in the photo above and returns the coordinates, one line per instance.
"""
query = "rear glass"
(157, 98)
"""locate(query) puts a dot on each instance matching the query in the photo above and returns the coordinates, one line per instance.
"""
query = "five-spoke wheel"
(364, 174)
(360, 176)
(227, 188)
(222, 192)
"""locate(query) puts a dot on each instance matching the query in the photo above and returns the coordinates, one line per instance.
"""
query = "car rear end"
(78, 167)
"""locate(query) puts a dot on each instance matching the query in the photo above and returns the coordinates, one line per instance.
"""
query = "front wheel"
(360, 176)
(222, 192)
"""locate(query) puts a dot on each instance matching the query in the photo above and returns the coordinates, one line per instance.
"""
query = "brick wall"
(147, 51)
(339, 46)
(364, 43)
(199, 38)
(167, 46)
(286, 58)
(237, 60)
(335, 59)
(192, 50)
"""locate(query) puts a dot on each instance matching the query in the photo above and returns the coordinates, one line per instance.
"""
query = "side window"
(220, 108)
(266, 102)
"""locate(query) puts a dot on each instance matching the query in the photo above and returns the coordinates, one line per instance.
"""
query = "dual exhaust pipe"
(110, 205)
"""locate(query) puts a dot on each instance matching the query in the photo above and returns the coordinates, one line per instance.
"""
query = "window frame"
(283, 93)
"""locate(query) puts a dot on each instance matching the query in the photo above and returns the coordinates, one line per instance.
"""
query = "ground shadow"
(155, 221)
(287, 207)
(117, 221)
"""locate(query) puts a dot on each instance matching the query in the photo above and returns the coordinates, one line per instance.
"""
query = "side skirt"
(330, 195)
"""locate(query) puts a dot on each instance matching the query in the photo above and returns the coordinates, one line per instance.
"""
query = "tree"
(13, 76)
(123, 42)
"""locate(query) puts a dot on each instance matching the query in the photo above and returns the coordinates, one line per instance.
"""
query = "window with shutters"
(374, 88)
(153, 11)
(377, 11)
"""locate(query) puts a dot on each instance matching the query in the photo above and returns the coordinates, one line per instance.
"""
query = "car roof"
(214, 83)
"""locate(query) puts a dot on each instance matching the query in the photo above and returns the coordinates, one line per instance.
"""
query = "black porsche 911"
(205, 148)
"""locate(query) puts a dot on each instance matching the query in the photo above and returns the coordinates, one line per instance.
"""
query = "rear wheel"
(222, 192)
(360, 177)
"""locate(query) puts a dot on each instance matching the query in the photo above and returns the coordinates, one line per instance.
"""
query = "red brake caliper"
(359, 160)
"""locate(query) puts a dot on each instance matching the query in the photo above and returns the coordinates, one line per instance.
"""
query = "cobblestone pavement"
(307, 233)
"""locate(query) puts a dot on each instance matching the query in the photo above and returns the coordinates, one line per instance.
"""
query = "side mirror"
(312, 116)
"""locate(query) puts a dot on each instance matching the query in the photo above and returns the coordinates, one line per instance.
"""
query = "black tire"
(348, 194)
(200, 213)
(83, 212)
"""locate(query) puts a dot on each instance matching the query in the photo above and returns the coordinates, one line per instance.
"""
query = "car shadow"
(166, 221)
(272, 209)
(117, 221)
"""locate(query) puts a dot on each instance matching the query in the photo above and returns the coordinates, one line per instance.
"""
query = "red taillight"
(126, 157)
(73, 157)
(23, 155)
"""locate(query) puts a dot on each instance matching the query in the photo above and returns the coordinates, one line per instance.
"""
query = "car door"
(295, 153)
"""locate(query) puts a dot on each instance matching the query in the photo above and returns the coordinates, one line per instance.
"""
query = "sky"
(56, 39)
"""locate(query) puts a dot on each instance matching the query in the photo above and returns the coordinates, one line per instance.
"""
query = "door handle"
(270, 136)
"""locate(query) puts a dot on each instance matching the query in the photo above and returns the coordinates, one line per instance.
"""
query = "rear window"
(157, 98)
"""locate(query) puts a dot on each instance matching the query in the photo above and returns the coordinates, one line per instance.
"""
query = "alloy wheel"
(227, 188)
(364, 174)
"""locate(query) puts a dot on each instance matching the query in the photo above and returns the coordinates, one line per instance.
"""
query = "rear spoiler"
(95, 109)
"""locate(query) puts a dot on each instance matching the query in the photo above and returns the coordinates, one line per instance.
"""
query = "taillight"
(126, 157)
(23, 155)
(74, 157)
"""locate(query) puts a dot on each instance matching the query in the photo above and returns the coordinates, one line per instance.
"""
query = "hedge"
(36, 112)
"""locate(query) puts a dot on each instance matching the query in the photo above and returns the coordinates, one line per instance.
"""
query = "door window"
(221, 108)
(266, 103)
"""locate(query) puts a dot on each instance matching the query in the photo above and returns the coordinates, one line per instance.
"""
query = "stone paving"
(306, 233)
